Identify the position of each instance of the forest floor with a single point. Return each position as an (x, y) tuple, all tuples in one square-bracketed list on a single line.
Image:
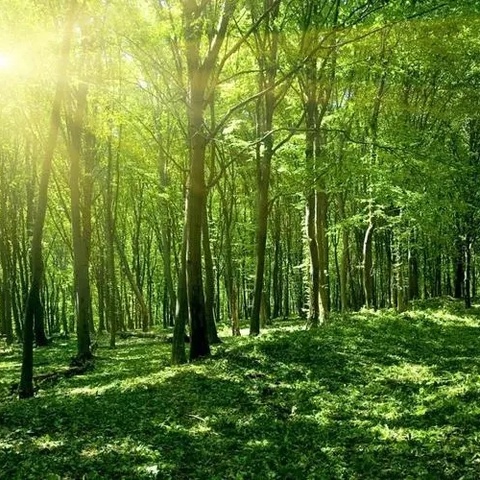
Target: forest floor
[(370, 396)]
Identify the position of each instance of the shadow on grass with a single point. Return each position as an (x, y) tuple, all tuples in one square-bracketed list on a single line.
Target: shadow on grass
[(366, 397)]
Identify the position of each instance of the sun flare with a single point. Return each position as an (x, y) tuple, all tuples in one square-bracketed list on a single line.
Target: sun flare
[(5, 61)]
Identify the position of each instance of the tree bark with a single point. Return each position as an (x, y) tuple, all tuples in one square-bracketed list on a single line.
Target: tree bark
[(267, 61), (83, 303), (209, 283), (33, 307), (368, 266), (322, 241), (181, 315), (468, 272), (200, 72), (345, 258)]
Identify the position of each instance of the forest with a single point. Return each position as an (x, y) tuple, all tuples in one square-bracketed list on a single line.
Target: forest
[(238, 239)]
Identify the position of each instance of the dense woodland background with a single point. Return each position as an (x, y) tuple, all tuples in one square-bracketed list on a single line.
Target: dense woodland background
[(193, 162)]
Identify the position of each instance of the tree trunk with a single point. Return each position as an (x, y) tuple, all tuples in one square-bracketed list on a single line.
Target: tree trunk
[(33, 309), (368, 266), (181, 315), (310, 108), (345, 258), (200, 72), (277, 268), (111, 305), (459, 270), (83, 304), (261, 242), (144, 312), (401, 303), (314, 261), (209, 283), (413, 273), (322, 241), (196, 195), (267, 43), (230, 279), (468, 271)]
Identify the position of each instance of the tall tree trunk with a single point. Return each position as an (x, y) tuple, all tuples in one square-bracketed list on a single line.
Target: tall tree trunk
[(345, 257), (195, 205), (33, 307), (144, 311), (200, 73), (181, 315), (111, 305), (314, 261), (399, 277), (227, 202), (263, 183), (459, 270), (368, 272), (322, 241), (277, 285), (413, 273), (7, 293), (267, 52), (83, 304), (368, 266), (311, 107), (166, 245), (468, 272), (209, 283)]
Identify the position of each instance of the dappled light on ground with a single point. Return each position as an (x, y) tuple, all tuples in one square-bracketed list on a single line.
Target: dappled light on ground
[(372, 395)]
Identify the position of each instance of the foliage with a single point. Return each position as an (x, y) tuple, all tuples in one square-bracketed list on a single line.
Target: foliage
[(371, 395)]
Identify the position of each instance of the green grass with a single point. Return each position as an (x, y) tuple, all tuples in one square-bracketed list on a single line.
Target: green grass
[(371, 396)]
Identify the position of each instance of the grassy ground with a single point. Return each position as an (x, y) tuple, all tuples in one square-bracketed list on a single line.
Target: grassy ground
[(371, 396)]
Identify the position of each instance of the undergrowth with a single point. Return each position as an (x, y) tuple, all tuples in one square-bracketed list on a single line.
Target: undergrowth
[(370, 396)]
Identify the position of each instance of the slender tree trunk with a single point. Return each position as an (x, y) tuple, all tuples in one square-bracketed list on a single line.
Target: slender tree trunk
[(322, 241), (345, 258), (314, 261), (468, 272), (267, 43), (111, 306), (181, 316), (33, 307), (277, 268), (368, 266), (399, 278), (230, 278), (413, 273), (168, 278), (7, 307), (261, 243), (144, 312), (389, 267), (6, 287), (459, 270), (87, 204), (209, 283), (83, 304), (100, 281), (312, 234)]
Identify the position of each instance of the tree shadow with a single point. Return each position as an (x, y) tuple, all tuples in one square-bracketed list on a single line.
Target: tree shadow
[(363, 398)]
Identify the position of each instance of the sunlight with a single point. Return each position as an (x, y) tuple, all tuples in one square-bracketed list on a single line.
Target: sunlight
[(6, 62)]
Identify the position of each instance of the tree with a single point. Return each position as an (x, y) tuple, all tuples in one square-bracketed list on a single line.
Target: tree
[(200, 72), (34, 308)]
